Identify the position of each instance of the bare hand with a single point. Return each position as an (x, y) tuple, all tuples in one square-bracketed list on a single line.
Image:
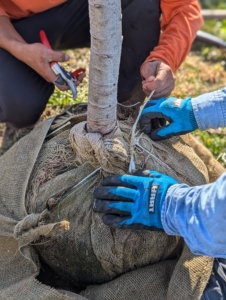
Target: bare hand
[(38, 57), (159, 77)]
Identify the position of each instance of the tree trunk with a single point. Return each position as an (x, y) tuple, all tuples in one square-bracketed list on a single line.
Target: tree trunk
[(106, 40)]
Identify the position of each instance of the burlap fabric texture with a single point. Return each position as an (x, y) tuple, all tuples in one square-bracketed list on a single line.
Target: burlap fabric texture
[(214, 168), (46, 212)]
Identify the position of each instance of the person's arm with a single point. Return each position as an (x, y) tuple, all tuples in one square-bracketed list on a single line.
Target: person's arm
[(2, 11), (10, 40), (198, 214), (181, 19), (210, 109), (37, 56)]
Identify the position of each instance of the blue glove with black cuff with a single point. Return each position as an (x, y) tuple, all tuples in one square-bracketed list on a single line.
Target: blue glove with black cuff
[(135, 202), (179, 113)]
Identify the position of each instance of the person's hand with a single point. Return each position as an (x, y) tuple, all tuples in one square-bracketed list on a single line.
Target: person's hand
[(129, 201), (159, 77), (38, 57), (179, 113)]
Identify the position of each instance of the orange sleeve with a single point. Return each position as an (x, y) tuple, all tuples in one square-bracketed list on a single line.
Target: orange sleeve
[(181, 19), (2, 12)]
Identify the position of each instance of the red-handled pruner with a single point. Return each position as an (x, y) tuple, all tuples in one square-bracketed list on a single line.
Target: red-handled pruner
[(63, 77)]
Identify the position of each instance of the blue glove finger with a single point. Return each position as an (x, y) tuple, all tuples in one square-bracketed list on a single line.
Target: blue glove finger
[(115, 180), (155, 102), (155, 137), (164, 178), (105, 193), (167, 132), (123, 194), (148, 173), (156, 123), (130, 223), (149, 121), (122, 207), (153, 106), (124, 222), (114, 220), (129, 207), (149, 118), (171, 129), (162, 122), (142, 172), (154, 109), (104, 206), (151, 115), (181, 115), (156, 174), (134, 180), (151, 103)]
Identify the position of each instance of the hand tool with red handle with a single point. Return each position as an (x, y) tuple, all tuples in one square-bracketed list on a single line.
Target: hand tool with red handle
[(63, 77)]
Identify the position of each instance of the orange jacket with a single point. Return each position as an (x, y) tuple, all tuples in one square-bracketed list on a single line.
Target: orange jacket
[(179, 23)]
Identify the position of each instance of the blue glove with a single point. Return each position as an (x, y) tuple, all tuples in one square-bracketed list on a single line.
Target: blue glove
[(179, 113), (129, 201)]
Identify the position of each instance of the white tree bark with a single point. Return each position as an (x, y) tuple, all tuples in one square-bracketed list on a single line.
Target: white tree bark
[(106, 41)]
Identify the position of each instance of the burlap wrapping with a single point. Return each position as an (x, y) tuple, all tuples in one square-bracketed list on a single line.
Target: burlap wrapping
[(48, 185), (19, 262), (214, 168)]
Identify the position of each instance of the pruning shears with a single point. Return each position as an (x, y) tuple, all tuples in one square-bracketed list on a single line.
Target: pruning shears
[(63, 77)]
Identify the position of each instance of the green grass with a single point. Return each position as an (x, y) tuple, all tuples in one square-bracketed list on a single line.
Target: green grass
[(64, 99), (216, 143), (213, 4)]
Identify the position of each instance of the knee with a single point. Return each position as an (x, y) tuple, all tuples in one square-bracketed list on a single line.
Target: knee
[(23, 93), (26, 117), (24, 111)]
